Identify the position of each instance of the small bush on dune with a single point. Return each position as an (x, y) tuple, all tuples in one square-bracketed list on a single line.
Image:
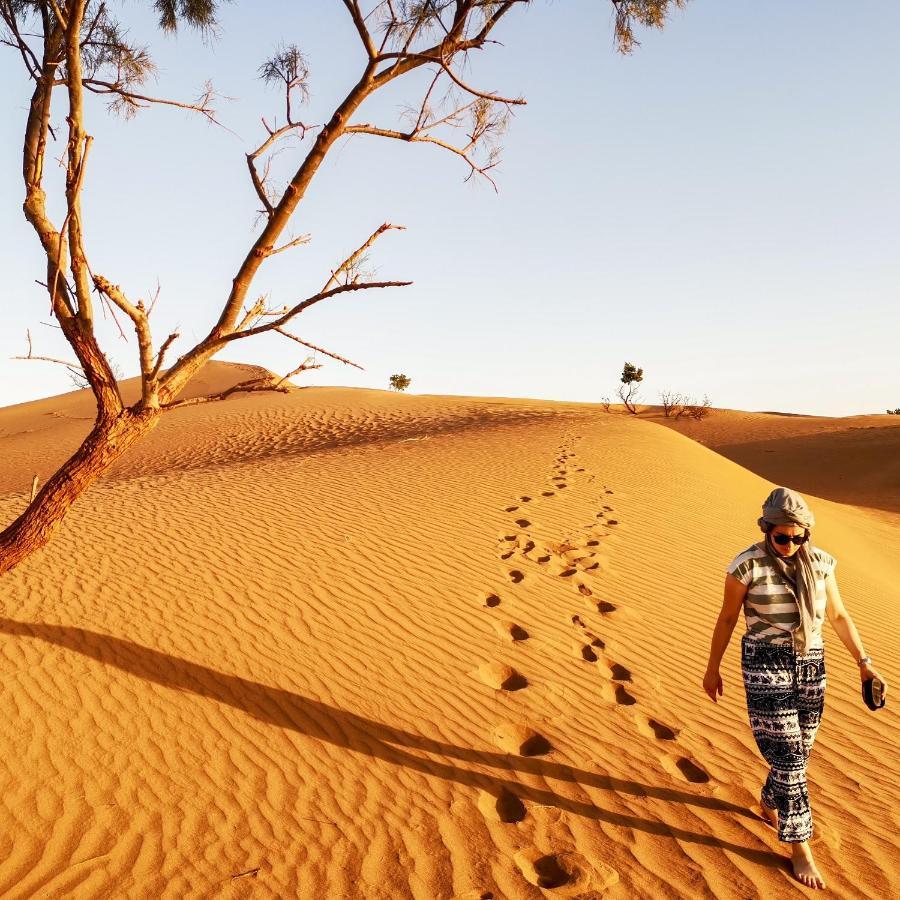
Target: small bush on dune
[(693, 409), (400, 382), (670, 401)]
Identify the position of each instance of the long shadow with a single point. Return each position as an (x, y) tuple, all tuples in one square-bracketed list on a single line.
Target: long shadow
[(342, 728)]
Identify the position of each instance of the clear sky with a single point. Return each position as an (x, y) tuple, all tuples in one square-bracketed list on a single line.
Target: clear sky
[(722, 208)]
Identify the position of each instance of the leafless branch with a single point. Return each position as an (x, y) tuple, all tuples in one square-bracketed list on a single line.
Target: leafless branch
[(270, 383), (359, 22), (342, 359), (305, 304), (73, 367), (351, 261), (162, 352), (296, 242), (418, 137), (138, 315)]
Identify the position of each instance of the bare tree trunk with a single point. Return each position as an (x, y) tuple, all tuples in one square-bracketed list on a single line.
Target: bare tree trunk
[(107, 442)]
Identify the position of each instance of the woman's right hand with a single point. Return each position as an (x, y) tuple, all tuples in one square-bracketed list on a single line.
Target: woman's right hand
[(712, 684)]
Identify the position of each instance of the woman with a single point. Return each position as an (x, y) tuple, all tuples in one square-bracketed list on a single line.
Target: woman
[(785, 586)]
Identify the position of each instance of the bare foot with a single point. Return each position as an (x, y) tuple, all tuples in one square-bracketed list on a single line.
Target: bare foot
[(769, 814), (805, 866)]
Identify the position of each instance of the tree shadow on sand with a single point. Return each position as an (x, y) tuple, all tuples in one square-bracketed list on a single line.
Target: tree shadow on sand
[(341, 728)]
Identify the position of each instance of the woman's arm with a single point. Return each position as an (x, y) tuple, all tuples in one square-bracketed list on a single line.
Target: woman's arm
[(735, 591), (843, 625)]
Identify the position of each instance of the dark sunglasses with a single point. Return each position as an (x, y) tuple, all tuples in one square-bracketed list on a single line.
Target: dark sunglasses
[(784, 539)]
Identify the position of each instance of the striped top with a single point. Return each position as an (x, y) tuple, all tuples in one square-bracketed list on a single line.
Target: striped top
[(770, 606)]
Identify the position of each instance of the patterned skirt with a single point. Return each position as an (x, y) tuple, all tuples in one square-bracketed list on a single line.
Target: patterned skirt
[(785, 698)]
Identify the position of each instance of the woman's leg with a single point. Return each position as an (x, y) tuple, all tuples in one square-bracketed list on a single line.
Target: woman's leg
[(774, 707)]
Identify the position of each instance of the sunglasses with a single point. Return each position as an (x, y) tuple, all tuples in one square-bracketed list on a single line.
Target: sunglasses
[(784, 539)]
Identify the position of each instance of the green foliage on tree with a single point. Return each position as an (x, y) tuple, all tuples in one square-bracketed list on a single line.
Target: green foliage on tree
[(632, 376)]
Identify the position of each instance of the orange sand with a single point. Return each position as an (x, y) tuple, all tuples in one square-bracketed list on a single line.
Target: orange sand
[(855, 459), (299, 645)]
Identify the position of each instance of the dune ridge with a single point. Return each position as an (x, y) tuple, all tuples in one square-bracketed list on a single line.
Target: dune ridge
[(351, 644)]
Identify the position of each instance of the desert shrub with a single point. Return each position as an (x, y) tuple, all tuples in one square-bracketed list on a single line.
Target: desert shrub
[(670, 401), (605, 401), (400, 382), (692, 409)]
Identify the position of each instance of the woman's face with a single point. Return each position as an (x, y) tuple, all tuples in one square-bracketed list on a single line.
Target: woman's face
[(790, 548)]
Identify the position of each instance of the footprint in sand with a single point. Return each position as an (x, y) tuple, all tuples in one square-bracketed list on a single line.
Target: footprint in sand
[(528, 547), (503, 807), (584, 651), (612, 521), (516, 577), (510, 631), (600, 606), (685, 767), (623, 698), (520, 740), (490, 600), (566, 874), (654, 728), (608, 508), (568, 573), (506, 555), (523, 523), (609, 492), (510, 509), (548, 493), (501, 677), (584, 590), (592, 544), (524, 499), (618, 671), (543, 560)]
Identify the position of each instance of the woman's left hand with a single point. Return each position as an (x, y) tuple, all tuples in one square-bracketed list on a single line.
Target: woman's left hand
[(867, 672)]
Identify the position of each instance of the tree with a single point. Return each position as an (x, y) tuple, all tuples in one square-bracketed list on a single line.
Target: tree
[(400, 382), (628, 390), (76, 48)]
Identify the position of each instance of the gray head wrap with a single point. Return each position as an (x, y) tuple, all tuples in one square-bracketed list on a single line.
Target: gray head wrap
[(786, 507)]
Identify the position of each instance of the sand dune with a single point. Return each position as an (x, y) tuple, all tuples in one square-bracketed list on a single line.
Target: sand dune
[(854, 459), (344, 643)]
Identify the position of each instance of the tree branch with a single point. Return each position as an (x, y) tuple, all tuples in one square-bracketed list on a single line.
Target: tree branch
[(74, 367), (162, 352), (359, 22), (342, 359), (414, 137), (305, 304), (272, 383), (138, 316), (138, 101)]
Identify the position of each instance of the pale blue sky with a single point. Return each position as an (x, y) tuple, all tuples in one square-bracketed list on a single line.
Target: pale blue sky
[(722, 208)]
